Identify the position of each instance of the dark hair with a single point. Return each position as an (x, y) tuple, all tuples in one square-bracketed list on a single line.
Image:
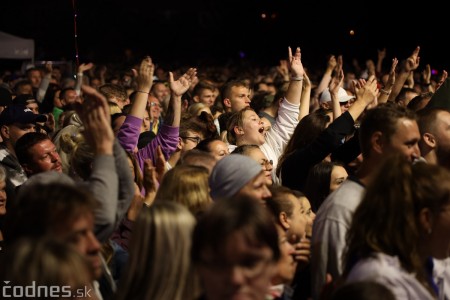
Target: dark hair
[(223, 120), (236, 119), (113, 90), (25, 142), (427, 118), (20, 84), (225, 92), (202, 85), (387, 220), (228, 216), (317, 186), (279, 203), (307, 130), (47, 103), (261, 100), (382, 118), (41, 209), (64, 91), (205, 144), (203, 124)]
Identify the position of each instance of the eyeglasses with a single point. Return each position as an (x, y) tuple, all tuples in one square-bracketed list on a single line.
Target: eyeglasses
[(266, 163), (155, 104), (351, 101), (194, 139)]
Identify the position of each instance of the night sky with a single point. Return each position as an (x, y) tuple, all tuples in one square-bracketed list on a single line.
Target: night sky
[(186, 32)]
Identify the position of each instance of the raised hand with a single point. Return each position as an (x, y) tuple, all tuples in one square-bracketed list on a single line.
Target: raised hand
[(48, 67), (135, 205), (442, 80), (94, 112), (331, 63), (160, 166), (306, 81), (339, 63), (85, 67), (295, 62), (144, 78), (426, 74), (386, 91), (283, 69), (150, 182), (50, 123), (370, 67), (180, 86), (391, 78), (381, 54), (336, 82), (366, 90), (413, 60)]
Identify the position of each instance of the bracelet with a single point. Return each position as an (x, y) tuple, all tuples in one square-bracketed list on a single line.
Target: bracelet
[(143, 92), (296, 78), (385, 92)]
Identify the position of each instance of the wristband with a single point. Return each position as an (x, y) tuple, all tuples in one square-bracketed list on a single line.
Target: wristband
[(143, 92), (385, 92), (296, 78)]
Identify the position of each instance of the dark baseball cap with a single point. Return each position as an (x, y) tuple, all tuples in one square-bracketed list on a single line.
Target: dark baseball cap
[(19, 114), (24, 99)]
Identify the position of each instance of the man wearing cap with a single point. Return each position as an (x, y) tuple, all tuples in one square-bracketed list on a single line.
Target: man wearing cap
[(345, 100), (15, 121), (28, 101)]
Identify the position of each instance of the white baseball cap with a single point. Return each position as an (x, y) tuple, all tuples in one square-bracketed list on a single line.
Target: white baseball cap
[(342, 96)]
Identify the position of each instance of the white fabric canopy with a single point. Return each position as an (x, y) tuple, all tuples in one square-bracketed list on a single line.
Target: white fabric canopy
[(14, 47)]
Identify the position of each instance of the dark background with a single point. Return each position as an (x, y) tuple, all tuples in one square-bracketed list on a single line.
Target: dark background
[(199, 31)]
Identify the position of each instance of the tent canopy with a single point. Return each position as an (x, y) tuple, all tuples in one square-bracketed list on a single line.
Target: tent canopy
[(14, 47)]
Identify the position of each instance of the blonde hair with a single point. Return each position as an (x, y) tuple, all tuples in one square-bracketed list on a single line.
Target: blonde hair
[(197, 108), (187, 185), (46, 262), (114, 108), (79, 152), (159, 266)]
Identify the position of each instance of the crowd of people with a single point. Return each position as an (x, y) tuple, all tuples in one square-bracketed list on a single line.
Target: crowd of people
[(134, 182)]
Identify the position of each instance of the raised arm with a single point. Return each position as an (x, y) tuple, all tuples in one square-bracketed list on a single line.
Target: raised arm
[(128, 135), (335, 85), (45, 82), (426, 79), (305, 100), (295, 87), (442, 79), (178, 88), (144, 80), (80, 75), (409, 66), (381, 57), (326, 78), (366, 93), (103, 181), (386, 90)]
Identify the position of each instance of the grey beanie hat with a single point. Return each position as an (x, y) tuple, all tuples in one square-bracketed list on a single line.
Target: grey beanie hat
[(231, 173)]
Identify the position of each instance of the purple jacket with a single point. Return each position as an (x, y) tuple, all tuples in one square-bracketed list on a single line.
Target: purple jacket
[(128, 137)]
